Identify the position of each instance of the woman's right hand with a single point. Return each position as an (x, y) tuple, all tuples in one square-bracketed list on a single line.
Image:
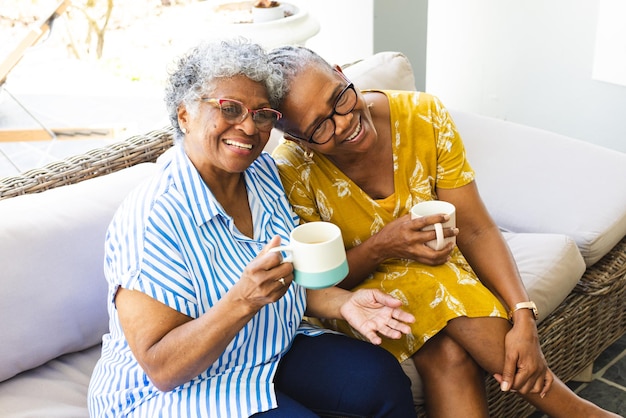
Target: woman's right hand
[(404, 238), (260, 282)]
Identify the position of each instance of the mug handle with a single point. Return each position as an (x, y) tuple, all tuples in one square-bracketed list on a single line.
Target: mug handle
[(286, 249), (441, 240)]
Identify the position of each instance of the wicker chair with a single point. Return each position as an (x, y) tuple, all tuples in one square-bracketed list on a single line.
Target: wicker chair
[(590, 319)]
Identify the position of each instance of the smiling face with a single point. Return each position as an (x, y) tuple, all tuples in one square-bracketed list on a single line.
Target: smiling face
[(216, 147), (312, 95)]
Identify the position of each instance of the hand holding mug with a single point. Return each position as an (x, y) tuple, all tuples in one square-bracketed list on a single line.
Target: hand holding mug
[(317, 253), (435, 207), (261, 281)]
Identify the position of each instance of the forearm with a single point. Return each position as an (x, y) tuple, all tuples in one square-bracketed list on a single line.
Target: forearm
[(189, 350), (171, 347), (489, 255), (362, 261), (326, 303)]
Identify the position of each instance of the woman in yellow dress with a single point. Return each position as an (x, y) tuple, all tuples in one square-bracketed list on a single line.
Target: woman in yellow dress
[(361, 160)]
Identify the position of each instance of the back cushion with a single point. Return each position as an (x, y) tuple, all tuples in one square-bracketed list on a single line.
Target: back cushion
[(53, 298)]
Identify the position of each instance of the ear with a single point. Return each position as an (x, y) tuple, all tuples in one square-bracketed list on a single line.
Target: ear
[(183, 116)]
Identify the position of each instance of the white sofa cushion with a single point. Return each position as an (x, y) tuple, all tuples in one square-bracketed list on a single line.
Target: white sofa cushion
[(53, 298), (550, 266), (385, 70), (545, 182), (56, 389)]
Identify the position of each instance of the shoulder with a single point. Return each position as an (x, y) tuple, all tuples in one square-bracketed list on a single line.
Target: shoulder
[(288, 153), (407, 97)]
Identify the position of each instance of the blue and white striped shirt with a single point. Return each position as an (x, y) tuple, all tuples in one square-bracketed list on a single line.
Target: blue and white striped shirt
[(173, 241)]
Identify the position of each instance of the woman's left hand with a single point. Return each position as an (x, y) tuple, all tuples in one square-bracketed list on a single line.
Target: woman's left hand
[(525, 367), (372, 312)]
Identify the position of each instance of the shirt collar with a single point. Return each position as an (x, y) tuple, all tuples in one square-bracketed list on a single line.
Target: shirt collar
[(202, 202)]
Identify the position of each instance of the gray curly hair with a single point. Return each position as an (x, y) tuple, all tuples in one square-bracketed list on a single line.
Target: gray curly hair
[(194, 72), (292, 60)]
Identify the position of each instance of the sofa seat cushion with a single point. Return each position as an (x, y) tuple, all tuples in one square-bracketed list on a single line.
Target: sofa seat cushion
[(57, 388), (53, 298), (536, 181)]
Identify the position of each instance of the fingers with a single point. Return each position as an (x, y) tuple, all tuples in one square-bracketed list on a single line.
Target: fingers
[(386, 299), (547, 384), (508, 373), (392, 329), (284, 282)]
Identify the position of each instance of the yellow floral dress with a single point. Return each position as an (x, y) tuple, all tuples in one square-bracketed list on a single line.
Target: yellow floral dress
[(427, 152)]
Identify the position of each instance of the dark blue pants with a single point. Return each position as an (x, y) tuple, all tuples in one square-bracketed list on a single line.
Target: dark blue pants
[(337, 376)]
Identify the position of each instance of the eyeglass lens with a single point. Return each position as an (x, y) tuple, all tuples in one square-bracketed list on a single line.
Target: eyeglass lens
[(235, 112), (345, 103)]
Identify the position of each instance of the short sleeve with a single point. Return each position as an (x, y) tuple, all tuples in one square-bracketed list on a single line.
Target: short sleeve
[(453, 169)]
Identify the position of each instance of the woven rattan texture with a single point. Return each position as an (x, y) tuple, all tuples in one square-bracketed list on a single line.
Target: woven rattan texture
[(94, 163), (590, 319)]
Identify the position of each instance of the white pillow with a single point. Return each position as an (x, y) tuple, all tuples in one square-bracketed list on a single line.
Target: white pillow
[(550, 266), (53, 298), (537, 181), (386, 70)]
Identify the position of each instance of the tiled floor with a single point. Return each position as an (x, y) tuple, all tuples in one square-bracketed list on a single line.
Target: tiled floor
[(608, 387)]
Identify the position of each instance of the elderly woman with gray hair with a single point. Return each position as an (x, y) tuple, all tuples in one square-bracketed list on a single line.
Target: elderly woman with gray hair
[(204, 320)]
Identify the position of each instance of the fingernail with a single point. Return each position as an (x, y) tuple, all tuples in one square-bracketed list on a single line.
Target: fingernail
[(543, 395), (504, 386)]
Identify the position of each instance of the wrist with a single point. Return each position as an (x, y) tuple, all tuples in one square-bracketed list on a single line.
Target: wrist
[(375, 248), (524, 310)]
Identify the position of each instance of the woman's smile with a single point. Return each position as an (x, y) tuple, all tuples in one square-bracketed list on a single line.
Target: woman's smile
[(354, 134), (238, 144)]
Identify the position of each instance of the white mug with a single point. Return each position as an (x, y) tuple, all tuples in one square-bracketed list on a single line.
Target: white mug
[(317, 253), (435, 207)]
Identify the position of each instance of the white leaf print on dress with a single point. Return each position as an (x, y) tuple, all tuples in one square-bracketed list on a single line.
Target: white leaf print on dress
[(377, 224), (324, 207), (343, 188), (443, 296)]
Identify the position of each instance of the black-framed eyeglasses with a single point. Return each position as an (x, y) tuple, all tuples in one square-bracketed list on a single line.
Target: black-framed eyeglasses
[(324, 131), (235, 112)]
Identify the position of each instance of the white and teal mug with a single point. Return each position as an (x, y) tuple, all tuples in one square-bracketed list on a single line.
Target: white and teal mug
[(317, 253)]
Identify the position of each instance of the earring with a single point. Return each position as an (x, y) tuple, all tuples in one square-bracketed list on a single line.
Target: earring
[(184, 130), (370, 105), (308, 155)]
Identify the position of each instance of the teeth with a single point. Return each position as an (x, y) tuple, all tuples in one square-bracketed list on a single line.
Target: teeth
[(355, 133), (238, 144)]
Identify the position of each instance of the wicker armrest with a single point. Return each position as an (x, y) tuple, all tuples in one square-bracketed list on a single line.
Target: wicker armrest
[(94, 163)]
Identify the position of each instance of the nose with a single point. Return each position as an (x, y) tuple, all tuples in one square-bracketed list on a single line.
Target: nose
[(342, 122), (247, 124)]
